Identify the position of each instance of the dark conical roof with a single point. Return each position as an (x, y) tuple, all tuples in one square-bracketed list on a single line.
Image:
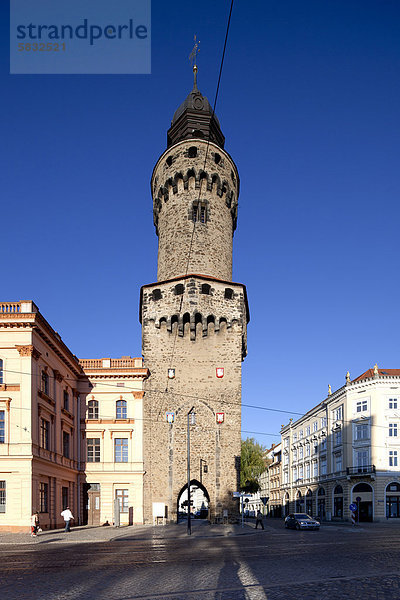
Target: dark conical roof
[(194, 119)]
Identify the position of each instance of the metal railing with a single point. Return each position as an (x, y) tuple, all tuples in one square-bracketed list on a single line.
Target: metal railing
[(362, 470)]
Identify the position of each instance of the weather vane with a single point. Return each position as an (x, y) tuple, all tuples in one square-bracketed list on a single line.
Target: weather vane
[(194, 52)]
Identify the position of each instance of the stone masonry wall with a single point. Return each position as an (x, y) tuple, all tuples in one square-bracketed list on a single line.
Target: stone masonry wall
[(178, 181), (194, 348)]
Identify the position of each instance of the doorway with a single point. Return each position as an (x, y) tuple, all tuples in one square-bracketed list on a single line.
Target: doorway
[(93, 504), (199, 502)]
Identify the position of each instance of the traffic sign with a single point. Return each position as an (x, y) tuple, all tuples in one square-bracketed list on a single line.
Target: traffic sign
[(353, 507), (236, 494)]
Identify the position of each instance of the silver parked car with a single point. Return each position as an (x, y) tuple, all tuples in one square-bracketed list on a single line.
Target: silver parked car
[(301, 521)]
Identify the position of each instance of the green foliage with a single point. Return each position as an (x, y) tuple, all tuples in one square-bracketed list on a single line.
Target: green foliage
[(252, 464)]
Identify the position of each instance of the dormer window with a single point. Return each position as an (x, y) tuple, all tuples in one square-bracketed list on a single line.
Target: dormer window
[(199, 212)]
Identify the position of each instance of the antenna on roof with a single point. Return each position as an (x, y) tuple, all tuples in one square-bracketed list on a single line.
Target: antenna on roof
[(193, 60)]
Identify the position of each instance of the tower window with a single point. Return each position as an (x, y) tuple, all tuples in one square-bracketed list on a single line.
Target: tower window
[(199, 212), (205, 289), (192, 152), (169, 161), (157, 294), (228, 294), (179, 288), (217, 158)]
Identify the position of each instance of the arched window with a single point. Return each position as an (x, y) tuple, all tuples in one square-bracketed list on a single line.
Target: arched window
[(192, 152), (321, 492), (362, 487), (393, 487), (338, 490), (205, 289), (169, 161), (93, 409), (122, 410), (179, 288), (217, 158), (1, 371)]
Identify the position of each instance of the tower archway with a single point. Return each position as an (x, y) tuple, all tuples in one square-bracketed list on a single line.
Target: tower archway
[(200, 501)]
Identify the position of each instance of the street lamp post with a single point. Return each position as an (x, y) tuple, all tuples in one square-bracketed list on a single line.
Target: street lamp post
[(191, 419)]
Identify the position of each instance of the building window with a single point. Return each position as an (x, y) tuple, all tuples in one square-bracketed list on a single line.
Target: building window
[(1, 372), (45, 383), (338, 414), (122, 410), (192, 152), (122, 497), (315, 449), (93, 450), (156, 294), (286, 443), (2, 496), (362, 432), (323, 466), (315, 426), (307, 471), (338, 462), (300, 434), (338, 437), (392, 429), (362, 406), (206, 289), (295, 437), (66, 444), (301, 452), (323, 422), (44, 497), (121, 449), (362, 458), (66, 400), (2, 426), (308, 450), (308, 430), (64, 497), (179, 288), (93, 409), (295, 454), (323, 444), (315, 469), (44, 434), (199, 212), (301, 472), (392, 401), (228, 294), (392, 458)]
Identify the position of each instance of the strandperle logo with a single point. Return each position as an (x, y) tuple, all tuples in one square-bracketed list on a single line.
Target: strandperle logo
[(85, 31), (80, 37)]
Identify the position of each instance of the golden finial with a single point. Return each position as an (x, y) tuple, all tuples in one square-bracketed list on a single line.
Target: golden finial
[(348, 380), (329, 390)]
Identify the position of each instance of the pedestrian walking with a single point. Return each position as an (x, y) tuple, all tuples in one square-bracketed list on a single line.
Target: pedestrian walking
[(259, 519), (67, 516), (34, 524)]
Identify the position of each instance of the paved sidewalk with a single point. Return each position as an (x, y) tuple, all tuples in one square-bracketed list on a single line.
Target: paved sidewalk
[(90, 534)]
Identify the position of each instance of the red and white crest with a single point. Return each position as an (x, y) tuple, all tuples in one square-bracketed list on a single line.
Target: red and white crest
[(220, 417), (220, 372)]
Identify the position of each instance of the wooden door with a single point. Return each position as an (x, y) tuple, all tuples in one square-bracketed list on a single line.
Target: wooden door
[(93, 508)]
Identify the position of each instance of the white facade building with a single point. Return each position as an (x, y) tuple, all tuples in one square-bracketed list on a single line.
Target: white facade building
[(346, 450)]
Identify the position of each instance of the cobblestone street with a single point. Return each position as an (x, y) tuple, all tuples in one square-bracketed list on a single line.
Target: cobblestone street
[(217, 562)]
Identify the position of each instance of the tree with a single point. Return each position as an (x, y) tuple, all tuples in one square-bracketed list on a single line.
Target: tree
[(252, 464)]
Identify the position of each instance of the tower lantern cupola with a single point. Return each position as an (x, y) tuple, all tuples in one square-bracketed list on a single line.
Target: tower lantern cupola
[(195, 119)]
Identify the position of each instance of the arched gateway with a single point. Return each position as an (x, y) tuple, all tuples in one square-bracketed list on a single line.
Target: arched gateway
[(199, 501)]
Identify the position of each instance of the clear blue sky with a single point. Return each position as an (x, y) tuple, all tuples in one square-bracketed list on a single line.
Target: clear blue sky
[(309, 104)]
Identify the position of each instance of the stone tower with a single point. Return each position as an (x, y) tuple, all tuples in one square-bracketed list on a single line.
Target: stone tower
[(194, 319)]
